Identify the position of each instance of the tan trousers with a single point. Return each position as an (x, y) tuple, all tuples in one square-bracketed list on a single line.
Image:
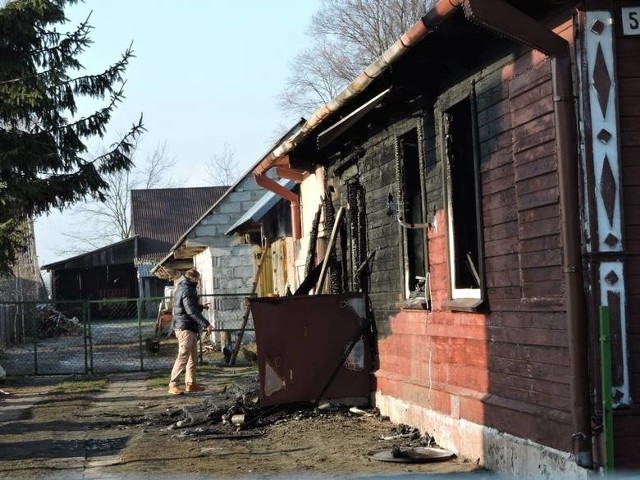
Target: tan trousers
[(187, 358)]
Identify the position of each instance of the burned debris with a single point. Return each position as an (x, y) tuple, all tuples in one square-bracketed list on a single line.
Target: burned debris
[(236, 414), (53, 323)]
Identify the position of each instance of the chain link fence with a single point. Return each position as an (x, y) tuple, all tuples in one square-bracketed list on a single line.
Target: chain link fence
[(106, 336)]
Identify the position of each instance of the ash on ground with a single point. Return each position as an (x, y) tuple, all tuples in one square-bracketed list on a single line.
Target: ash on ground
[(235, 413)]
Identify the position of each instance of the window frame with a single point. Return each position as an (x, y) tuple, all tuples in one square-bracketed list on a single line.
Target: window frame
[(462, 299), (407, 283)]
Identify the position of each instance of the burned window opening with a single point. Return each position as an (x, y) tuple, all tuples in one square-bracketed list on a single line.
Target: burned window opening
[(410, 177), (330, 219), (313, 239), (358, 276), (463, 193)]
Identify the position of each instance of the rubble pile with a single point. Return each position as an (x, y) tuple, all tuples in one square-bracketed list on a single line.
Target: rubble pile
[(236, 413), (53, 323)]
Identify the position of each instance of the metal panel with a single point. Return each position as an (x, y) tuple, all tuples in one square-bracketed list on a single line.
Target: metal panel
[(304, 348), (261, 207)]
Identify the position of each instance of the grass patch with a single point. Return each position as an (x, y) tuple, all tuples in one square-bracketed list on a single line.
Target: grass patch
[(210, 368), (161, 379), (82, 386), (158, 381)]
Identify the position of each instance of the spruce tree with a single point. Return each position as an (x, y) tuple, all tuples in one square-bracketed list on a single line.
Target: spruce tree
[(44, 160)]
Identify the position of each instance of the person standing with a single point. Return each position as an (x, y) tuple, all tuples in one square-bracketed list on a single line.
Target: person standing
[(187, 321)]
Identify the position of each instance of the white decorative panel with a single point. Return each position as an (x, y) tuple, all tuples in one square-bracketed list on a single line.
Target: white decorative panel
[(604, 131), (613, 295), (599, 59)]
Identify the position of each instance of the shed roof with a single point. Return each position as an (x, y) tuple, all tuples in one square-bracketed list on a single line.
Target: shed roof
[(160, 215), (117, 253)]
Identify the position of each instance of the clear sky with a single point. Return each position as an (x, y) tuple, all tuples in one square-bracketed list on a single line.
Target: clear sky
[(206, 73)]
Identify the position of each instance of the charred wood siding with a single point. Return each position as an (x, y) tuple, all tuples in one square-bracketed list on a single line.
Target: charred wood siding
[(527, 360), (627, 421), (508, 368), (377, 174)]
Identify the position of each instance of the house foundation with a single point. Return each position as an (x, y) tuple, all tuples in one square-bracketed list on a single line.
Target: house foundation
[(494, 450)]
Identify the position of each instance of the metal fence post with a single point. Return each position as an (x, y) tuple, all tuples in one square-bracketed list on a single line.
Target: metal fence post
[(140, 346), (89, 322), (34, 326), (85, 335)]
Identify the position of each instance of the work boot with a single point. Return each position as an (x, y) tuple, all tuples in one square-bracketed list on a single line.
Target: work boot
[(175, 390), (194, 387)]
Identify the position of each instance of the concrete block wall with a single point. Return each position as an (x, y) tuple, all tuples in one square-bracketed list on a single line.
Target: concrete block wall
[(227, 265)]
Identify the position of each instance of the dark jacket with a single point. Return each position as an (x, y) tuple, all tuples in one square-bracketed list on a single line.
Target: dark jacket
[(186, 311)]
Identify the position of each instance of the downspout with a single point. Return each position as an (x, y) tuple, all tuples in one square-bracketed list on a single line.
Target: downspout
[(268, 184), (500, 17)]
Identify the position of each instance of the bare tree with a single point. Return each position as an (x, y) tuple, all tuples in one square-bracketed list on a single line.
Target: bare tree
[(222, 167), (102, 223), (348, 35)]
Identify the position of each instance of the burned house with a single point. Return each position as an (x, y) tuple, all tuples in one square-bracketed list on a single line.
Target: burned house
[(487, 167)]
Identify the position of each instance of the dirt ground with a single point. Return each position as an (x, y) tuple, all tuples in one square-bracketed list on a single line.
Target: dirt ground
[(133, 429)]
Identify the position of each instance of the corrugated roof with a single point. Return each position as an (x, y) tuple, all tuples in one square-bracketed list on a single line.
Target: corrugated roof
[(160, 216), (117, 253), (261, 207)]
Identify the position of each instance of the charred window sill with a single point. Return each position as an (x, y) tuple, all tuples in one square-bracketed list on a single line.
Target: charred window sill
[(465, 305), (416, 303)]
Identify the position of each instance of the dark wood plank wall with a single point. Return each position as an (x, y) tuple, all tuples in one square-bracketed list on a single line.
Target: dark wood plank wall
[(627, 421), (377, 173), (509, 368), (528, 364)]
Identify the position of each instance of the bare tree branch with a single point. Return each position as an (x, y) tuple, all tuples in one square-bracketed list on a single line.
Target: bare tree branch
[(222, 167), (101, 223), (348, 35), (154, 171)]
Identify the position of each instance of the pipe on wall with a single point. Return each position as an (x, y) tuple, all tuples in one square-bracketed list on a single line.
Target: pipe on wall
[(566, 138), (268, 184)]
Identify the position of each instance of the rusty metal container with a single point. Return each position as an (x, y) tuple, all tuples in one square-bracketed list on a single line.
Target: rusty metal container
[(312, 347)]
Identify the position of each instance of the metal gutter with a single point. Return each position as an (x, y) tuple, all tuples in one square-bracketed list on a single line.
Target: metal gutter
[(410, 38), (273, 186)]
